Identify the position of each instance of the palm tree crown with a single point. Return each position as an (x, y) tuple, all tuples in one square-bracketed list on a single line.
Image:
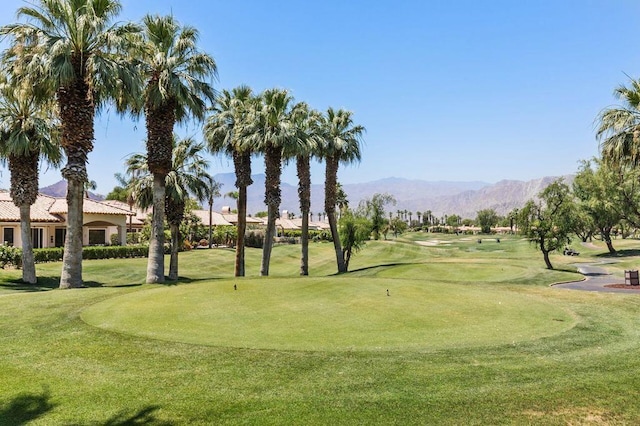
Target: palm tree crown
[(619, 127), (73, 48), (177, 82)]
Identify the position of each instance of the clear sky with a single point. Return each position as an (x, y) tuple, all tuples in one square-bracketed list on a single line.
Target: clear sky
[(447, 90)]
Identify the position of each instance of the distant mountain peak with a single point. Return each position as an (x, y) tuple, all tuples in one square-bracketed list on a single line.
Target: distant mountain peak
[(59, 190)]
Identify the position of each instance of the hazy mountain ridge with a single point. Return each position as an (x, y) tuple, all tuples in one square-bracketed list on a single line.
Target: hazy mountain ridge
[(440, 197)]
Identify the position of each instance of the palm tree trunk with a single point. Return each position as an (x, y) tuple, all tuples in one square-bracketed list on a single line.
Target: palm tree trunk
[(76, 122), (72, 259), (242, 227), (304, 241), (210, 221), (155, 263), (175, 245), (28, 263), (268, 241), (330, 187), (304, 193), (336, 242), (273, 171)]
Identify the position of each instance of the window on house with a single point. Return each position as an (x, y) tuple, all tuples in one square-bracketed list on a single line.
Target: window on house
[(7, 236), (61, 234), (97, 237), (37, 235)]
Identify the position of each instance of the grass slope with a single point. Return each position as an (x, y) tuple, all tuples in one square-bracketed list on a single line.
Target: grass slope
[(200, 352)]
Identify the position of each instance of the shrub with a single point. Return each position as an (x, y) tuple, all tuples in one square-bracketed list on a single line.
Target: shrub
[(254, 239), (134, 237), (114, 239), (53, 254), (11, 256)]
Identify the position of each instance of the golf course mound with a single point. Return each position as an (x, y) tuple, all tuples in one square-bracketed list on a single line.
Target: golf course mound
[(331, 314)]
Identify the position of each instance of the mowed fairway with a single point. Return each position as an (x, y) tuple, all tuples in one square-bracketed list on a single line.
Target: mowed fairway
[(469, 334), (331, 314)]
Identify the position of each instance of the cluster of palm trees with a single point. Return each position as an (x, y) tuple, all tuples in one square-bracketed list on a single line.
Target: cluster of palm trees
[(274, 125), (68, 59), (73, 52)]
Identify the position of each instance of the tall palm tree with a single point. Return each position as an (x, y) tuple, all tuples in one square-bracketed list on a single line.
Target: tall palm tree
[(213, 191), (270, 131), (619, 127), (28, 132), (223, 131), (126, 183), (188, 176), (342, 145), (176, 88), (74, 47), (305, 145)]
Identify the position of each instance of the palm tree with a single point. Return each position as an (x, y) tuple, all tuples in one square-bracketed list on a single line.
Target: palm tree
[(619, 127), (74, 47), (213, 191), (175, 90), (223, 132), (234, 195), (270, 130), (28, 132), (129, 195), (308, 139), (342, 202), (341, 145), (188, 176), (89, 185)]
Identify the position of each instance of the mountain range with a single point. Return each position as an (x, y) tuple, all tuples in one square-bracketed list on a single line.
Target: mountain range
[(441, 197)]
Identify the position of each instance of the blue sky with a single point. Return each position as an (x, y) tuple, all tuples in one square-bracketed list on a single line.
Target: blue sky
[(447, 90)]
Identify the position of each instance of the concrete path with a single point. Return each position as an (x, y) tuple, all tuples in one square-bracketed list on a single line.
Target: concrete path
[(596, 277)]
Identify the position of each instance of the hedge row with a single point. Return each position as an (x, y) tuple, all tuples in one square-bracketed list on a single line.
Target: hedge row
[(98, 252)]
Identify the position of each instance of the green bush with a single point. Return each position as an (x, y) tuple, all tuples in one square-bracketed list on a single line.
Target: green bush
[(254, 239), (94, 252), (114, 239), (48, 254), (11, 256)]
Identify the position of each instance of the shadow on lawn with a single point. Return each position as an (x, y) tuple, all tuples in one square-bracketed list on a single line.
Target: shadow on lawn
[(50, 283), (620, 253), (186, 280), (44, 284), (382, 266), (143, 417), (24, 408)]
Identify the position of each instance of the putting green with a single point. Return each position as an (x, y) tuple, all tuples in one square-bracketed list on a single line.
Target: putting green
[(331, 314), (457, 271)]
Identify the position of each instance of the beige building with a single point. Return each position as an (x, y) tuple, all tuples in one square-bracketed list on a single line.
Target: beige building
[(48, 222)]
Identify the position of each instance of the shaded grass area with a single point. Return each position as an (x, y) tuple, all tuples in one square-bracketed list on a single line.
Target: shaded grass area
[(57, 369)]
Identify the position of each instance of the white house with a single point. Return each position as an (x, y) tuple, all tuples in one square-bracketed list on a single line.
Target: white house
[(48, 222)]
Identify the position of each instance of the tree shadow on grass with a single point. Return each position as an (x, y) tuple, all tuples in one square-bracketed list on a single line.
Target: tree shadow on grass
[(186, 280), (620, 253), (24, 408), (51, 283), (43, 284), (381, 267), (145, 416)]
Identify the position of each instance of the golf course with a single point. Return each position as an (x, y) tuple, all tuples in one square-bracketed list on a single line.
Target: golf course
[(421, 331)]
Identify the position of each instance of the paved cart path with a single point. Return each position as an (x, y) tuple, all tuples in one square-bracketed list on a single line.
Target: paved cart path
[(596, 278)]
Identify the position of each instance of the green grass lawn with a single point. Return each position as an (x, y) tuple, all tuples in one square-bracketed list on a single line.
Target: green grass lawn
[(469, 334)]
